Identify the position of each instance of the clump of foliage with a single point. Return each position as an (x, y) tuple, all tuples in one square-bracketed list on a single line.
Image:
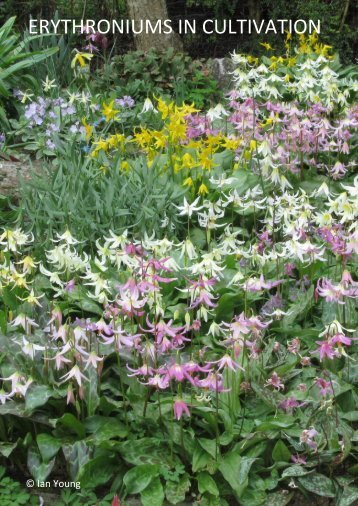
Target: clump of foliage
[(144, 74), (14, 60), (12, 493)]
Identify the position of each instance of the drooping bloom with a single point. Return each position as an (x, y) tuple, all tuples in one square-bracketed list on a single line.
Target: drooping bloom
[(307, 436), (180, 407), (75, 372), (275, 382)]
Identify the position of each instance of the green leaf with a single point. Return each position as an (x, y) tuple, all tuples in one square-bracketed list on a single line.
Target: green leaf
[(91, 391), (303, 301), (318, 484), (235, 469), (39, 470), (7, 448), (280, 498), (349, 496), (209, 445), (175, 492), (253, 498), (76, 455), (139, 477), (352, 416), (281, 453), (105, 428), (70, 422), (148, 450), (38, 395), (153, 495), (207, 484), (97, 471), (201, 458), (295, 471), (48, 446), (226, 305)]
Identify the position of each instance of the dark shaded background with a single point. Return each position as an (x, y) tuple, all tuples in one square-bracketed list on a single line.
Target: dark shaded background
[(339, 20)]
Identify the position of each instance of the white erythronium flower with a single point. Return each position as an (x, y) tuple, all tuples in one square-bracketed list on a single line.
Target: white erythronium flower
[(148, 106), (30, 349), (66, 237), (48, 85), (12, 239), (188, 209), (217, 112)]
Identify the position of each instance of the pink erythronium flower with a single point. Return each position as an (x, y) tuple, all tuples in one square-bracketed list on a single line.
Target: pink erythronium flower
[(144, 370), (275, 382), (226, 361), (340, 339), (162, 328), (299, 459), (332, 293), (204, 298), (307, 436), (180, 407), (212, 382), (178, 372), (257, 284), (76, 373), (24, 321), (92, 359), (325, 349), (158, 381), (289, 404), (324, 386)]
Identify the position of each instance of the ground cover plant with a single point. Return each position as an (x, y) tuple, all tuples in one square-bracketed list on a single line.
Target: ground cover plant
[(179, 293)]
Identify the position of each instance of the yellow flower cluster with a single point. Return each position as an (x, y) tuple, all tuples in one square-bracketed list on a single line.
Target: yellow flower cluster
[(112, 142), (193, 157)]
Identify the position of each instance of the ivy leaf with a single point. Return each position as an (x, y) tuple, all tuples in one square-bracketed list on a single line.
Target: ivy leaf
[(318, 484), (139, 477)]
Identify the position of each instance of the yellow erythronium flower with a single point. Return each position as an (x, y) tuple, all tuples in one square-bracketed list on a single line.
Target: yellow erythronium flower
[(266, 45), (164, 108), (109, 112), (188, 182), (125, 166), (88, 129), (81, 59), (203, 189), (188, 161)]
